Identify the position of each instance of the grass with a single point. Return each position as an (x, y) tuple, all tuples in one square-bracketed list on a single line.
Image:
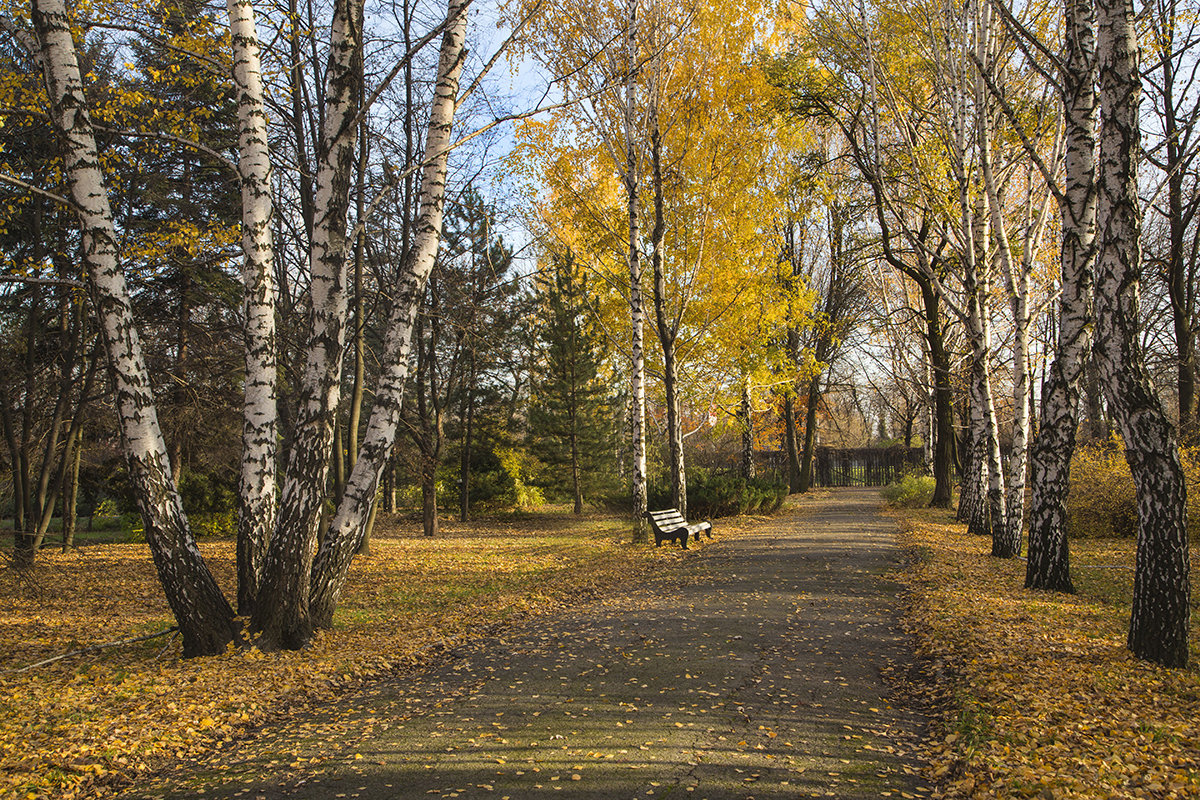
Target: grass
[(88, 725), (1047, 701)]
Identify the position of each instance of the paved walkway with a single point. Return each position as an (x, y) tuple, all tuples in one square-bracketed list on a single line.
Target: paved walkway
[(759, 672)]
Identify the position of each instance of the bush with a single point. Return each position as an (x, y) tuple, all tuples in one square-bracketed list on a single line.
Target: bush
[(911, 491), (519, 466), (1103, 501)]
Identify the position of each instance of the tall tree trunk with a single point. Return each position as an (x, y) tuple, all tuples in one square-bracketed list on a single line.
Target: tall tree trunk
[(464, 468), (389, 485), (664, 325), (349, 522), (281, 617), (971, 481), (637, 377), (791, 447), (746, 418), (1007, 536), (429, 509), (256, 477), (988, 517), (71, 500), (576, 484), (810, 433), (204, 616), (1158, 625), (180, 378), (360, 322), (943, 398), (1048, 566), (1177, 288)]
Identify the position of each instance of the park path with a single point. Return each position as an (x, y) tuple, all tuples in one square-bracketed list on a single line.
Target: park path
[(759, 670)]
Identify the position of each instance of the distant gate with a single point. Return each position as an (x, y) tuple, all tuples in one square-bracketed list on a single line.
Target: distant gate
[(864, 466)]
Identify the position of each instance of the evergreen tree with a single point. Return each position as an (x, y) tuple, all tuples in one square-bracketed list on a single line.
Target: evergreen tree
[(571, 419)]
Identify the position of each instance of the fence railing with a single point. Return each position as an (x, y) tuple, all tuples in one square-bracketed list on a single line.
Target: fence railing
[(864, 466)]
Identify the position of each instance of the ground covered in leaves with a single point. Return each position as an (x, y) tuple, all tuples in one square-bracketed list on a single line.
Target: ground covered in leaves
[(1045, 700), (93, 722)]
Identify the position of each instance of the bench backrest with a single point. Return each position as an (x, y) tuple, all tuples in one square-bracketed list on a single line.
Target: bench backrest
[(668, 519)]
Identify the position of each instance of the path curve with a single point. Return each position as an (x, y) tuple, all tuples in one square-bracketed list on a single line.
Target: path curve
[(759, 671)]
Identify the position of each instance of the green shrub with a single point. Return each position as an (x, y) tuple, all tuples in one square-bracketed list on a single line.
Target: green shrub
[(911, 491), (519, 465), (217, 523)]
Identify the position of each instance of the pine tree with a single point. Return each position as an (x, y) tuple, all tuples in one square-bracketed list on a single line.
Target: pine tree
[(571, 417)]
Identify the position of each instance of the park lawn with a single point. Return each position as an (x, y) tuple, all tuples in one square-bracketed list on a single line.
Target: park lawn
[(91, 723), (1044, 699)]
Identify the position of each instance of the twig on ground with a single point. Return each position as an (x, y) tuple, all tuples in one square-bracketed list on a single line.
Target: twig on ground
[(91, 649)]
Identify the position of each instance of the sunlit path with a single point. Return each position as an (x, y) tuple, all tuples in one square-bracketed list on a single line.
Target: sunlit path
[(759, 671)]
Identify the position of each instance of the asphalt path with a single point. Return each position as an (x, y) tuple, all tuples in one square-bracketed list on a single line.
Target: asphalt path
[(765, 666)]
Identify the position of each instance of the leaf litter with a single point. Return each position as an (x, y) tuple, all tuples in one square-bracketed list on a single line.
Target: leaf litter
[(86, 726), (1045, 700)]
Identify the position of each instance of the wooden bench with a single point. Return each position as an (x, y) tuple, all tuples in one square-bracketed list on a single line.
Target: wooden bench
[(669, 525)]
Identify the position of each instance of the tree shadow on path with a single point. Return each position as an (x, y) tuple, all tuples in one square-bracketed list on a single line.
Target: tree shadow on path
[(761, 668)]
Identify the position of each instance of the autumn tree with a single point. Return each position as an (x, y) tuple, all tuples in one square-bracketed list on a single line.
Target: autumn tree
[(1159, 620)]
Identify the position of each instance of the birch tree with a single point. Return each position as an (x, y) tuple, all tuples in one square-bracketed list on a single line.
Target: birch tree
[(637, 373), (204, 616), (1049, 561), (256, 489), (1158, 623), (349, 521)]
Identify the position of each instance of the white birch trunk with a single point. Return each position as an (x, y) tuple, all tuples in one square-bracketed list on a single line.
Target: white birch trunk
[(350, 520), (637, 379), (204, 616), (1006, 532), (1158, 625), (281, 616), (256, 491), (1049, 560)]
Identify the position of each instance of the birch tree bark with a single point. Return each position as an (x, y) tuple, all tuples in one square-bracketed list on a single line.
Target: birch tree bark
[(204, 616), (1008, 543), (281, 614), (349, 521), (1158, 622), (1048, 566), (637, 347), (256, 486)]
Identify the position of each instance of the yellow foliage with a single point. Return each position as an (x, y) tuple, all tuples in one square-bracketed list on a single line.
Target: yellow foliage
[(1103, 502)]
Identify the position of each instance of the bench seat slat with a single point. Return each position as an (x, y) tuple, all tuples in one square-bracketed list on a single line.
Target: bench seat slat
[(670, 525)]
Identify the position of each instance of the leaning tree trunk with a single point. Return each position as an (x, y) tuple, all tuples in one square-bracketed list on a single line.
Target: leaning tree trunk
[(256, 484), (205, 618), (281, 616), (988, 215), (1007, 535), (332, 563), (1158, 625), (1050, 465)]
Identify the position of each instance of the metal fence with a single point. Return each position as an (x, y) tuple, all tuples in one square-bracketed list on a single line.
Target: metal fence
[(864, 466)]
